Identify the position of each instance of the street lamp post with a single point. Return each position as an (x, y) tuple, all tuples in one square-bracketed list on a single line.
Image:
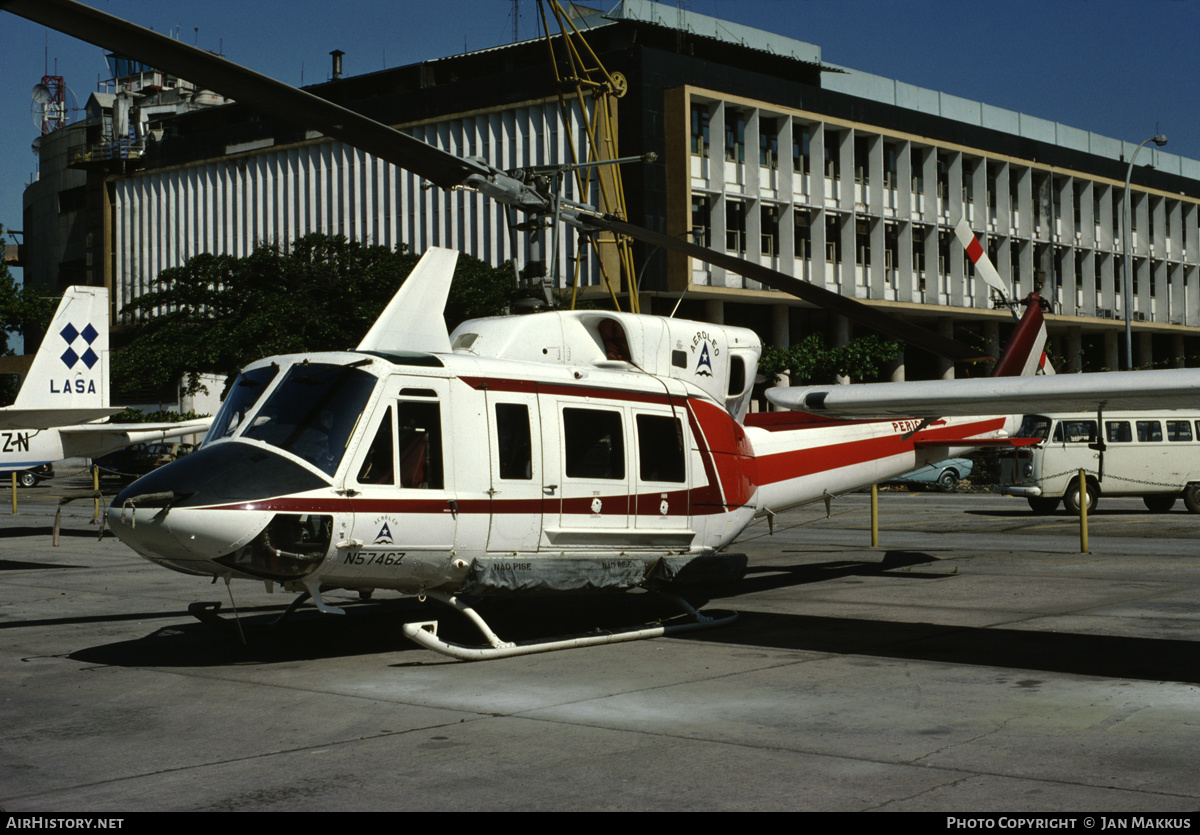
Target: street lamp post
[(1126, 234)]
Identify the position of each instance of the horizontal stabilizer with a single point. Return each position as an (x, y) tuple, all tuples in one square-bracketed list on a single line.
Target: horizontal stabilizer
[(1177, 388), (413, 320)]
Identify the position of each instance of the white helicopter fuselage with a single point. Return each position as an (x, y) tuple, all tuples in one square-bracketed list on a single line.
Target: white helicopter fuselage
[(558, 469)]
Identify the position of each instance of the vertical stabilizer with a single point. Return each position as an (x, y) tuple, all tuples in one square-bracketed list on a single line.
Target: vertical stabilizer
[(413, 320), (70, 370)]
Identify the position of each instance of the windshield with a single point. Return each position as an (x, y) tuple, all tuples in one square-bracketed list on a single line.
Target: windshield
[(1034, 426), (313, 411), (242, 396)]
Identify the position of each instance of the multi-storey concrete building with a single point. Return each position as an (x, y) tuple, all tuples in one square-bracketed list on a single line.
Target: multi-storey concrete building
[(848, 180)]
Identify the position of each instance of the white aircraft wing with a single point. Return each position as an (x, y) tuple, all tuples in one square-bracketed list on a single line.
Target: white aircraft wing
[(151, 431), (91, 440), (1168, 389)]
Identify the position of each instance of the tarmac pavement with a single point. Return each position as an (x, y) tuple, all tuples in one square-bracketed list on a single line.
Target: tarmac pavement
[(975, 662)]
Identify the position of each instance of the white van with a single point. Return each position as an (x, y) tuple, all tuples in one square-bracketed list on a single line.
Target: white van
[(1155, 455)]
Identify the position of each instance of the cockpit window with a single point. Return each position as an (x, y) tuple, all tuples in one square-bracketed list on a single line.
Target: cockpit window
[(242, 396), (313, 411), (1034, 426)]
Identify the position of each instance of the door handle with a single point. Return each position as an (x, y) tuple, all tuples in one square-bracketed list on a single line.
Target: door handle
[(549, 489)]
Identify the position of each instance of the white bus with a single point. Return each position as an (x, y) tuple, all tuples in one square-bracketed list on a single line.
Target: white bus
[(1155, 455)]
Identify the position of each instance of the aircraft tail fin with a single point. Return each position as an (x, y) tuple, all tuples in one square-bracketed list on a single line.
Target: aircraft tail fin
[(413, 321), (70, 369), (1025, 353)]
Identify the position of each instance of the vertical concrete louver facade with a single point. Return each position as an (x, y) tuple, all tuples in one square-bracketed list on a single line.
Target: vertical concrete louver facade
[(163, 216)]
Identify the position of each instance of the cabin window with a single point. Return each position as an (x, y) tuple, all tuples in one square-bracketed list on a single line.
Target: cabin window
[(420, 443), (313, 411), (595, 445), (1179, 430), (379, 465), (513, 440), (1149, 431), (240, 399), (1118, 432), (660, 449), (1034, 426), (1075, 432)]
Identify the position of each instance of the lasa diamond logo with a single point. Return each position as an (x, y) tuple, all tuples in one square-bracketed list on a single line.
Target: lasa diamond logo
[(70, 356)]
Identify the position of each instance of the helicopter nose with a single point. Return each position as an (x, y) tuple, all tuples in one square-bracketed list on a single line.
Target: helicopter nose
[(209, 505)]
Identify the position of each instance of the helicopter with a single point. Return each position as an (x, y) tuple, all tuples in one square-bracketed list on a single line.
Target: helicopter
[(556, 452), (552, 453)]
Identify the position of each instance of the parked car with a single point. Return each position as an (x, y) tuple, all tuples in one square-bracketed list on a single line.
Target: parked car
[(166, 452), (944, 475), (126, 462), (30, 477), (139, 459)]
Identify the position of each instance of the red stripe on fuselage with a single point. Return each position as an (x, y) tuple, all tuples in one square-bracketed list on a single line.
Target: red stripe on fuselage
[(782, 466)]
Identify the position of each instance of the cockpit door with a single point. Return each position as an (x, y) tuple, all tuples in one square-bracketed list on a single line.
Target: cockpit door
[(400, 479)]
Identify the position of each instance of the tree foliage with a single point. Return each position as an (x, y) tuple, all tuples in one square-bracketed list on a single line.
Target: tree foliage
[(811, 361), (217, 313), (23, 311)]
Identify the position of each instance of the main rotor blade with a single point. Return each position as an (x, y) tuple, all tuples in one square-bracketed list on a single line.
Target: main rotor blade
[(852, 309), (247, 87)]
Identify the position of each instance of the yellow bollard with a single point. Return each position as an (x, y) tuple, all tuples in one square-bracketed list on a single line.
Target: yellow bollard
[(96, 487), (874, 515), (1083, 505)]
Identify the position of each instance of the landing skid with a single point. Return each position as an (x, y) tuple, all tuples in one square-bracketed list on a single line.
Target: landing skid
[(425, 633)]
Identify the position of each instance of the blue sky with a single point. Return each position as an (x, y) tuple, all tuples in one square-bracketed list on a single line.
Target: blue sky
[(1119, 68)]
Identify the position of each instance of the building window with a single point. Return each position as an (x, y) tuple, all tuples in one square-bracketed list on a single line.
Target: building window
[(735, 226), (803, 234), (770, 230), (701, 220), (735, 136), (700, 127), (800, 148), (833, 241), (768, 144), (862, 161), (831, 162)]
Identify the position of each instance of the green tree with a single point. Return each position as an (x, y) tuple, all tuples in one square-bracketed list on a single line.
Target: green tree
[(217, 313), (23, 312), (811, 361)]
